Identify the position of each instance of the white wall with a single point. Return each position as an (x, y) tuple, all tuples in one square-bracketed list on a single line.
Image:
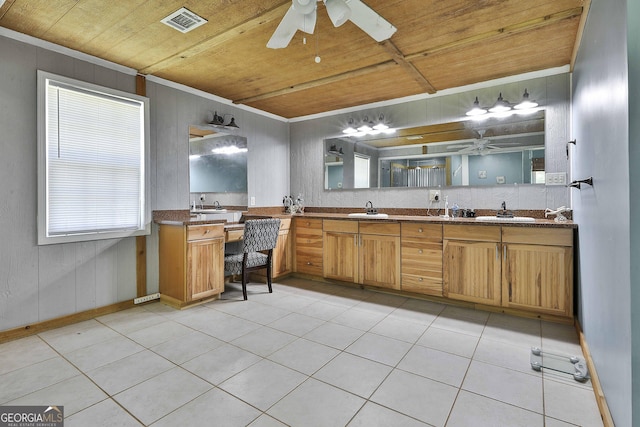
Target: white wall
[(603, 212), (38, 283), (44, 282), (552, 92)]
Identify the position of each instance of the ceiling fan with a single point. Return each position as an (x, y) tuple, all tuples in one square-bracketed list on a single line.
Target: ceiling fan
[(302, 16), (481, 146)]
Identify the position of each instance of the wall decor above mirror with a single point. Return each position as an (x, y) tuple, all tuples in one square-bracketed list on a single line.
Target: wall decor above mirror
[(488, 151), (217, 161)]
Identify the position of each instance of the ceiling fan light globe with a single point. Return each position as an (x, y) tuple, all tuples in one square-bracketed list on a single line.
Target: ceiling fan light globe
[(304, 6), (338, 11)]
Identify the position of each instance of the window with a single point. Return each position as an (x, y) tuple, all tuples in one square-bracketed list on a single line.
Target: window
[(92, 167), (361, 171)]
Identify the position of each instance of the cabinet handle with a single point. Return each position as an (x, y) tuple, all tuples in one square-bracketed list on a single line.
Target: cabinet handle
[(420, 279), (309, 263), (419, 230), (504, 252), (355, 240), (419, 251), (497, 253), (206, 231)]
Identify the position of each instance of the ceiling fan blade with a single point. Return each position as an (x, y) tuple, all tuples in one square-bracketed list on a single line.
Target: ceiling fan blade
[(369, 21), (292, 21)]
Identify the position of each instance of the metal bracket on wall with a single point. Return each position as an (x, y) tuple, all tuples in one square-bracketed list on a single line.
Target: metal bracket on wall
[(578, 184), (570, 142), (572, 365)]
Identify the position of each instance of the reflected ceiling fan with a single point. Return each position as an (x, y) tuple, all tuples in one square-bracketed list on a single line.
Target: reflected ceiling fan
[(302, 16), (481, 146)]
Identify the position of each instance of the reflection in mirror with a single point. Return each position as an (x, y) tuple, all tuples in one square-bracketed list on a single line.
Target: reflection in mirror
[(492, 151), (217, 162)]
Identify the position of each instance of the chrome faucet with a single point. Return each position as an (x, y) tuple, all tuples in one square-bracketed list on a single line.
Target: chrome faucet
[(503, 212), (216, 205), (370, 209)]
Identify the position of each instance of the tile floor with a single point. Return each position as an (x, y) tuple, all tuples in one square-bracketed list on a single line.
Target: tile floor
[(310, 354)]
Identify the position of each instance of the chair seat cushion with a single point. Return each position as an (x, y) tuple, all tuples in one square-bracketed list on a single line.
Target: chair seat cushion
[(233, 263)]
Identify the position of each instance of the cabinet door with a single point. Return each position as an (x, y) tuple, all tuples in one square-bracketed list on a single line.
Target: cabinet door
[(380, 261), (205, 277), (538, 277), (340, 257), (282, 256), (472, 271)]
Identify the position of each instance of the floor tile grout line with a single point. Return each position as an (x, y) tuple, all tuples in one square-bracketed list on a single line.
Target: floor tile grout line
[(85, 374)]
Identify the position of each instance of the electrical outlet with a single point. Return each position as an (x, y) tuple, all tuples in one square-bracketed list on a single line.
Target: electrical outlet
[(556, 178), (146, 298), (252, 201), (434, 195)]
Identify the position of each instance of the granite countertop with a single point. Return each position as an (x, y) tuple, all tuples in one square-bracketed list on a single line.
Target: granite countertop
[(539, 222), (184, 217)]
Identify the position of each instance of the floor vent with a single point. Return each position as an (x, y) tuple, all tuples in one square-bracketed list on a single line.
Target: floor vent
[(184, 20)]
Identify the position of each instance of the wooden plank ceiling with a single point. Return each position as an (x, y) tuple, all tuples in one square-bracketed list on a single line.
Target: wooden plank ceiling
[(438, 45)]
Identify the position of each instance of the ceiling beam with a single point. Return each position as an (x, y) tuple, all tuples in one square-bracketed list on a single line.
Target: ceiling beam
[(520, 27), (399, 58), (320, 82), (220, 39)]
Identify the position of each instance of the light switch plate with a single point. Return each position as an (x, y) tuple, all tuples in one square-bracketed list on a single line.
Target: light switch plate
[(556, 178), (252, 201)]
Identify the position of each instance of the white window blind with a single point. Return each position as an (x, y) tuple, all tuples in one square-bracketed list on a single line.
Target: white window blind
[(94, 162)]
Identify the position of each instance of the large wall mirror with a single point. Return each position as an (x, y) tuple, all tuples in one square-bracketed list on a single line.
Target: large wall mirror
[(217, 162), (491, 151)]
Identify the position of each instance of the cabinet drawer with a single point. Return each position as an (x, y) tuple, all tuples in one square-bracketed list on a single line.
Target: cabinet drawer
[(419, 258), (198, 232), (234, 235), (421, 284), (340, 226), (421, 230), (308, 225), (484, 233), (380, 228), (538, 236), (309, 262)]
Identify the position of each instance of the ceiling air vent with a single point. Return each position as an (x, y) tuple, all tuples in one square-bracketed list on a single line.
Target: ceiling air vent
[(184, 20)]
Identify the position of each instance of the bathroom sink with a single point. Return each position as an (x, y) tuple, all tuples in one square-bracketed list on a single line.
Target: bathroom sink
[(507, 219), (369, 216), (209, 211)]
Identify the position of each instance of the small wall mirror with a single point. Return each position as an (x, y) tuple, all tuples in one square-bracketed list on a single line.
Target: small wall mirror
[(217, 162), (491, 151)]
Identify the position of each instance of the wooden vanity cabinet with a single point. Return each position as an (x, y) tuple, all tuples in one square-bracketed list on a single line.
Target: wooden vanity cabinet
[(282, 261), (191, 262), (421, 259), (537, 269), (472, 263), (362, 252), (308, 246), (340, 250), (379, 254)]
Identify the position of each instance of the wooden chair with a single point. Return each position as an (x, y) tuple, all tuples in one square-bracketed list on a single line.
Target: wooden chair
[(260, 237)]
